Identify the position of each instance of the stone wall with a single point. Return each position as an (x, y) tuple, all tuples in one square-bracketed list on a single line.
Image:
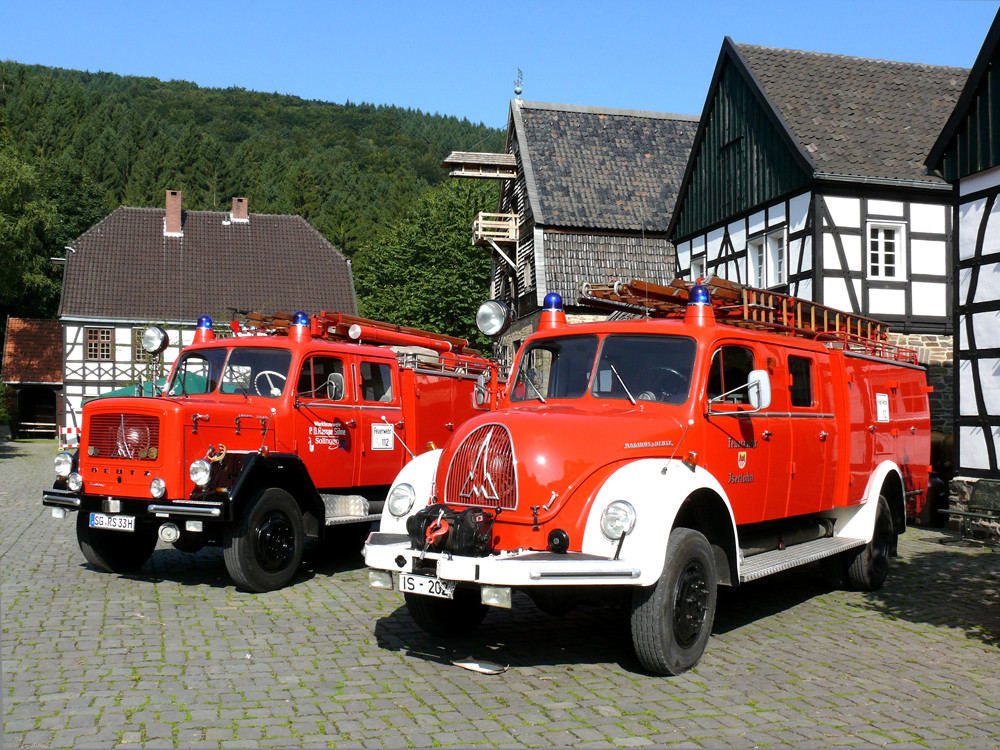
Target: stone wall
[(960, 491), (935, 353)]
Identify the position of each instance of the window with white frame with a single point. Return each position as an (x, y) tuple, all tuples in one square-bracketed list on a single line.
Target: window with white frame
[(767, 260), (886, 248), (99, 343), (698, 268)]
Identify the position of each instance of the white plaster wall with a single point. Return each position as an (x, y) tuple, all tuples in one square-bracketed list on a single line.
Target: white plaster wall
[(846, 212), (798, 212), (715, 238), (973, 441), (970, 215), (886, 208), (738, 235), (981, 181), (930, 298), (684, 254), (928, 218), (928, 257), (756, 223), (835, 293), (886, 301), (776, 215)]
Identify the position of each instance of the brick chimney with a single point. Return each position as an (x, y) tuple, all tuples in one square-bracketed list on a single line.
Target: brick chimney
[(240, 210), (172, 224)]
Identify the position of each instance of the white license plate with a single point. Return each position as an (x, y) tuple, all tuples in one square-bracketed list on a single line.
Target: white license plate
[(427, 586), (113, 523)]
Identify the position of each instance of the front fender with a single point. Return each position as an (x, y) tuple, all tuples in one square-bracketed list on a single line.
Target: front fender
[(419, 474), (656, 488)]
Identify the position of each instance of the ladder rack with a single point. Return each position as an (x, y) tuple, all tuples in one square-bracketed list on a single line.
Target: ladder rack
[(335, 326), (755, 309)]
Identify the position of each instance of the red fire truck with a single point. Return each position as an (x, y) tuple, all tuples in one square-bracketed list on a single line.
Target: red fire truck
[(728, 434), (292, 428)]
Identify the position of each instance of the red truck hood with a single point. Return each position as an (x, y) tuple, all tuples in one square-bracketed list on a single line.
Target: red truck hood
[(520, 457)]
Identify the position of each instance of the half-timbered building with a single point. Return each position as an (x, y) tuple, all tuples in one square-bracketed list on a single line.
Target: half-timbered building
[(967, 155), (806, 176), (586, 194), (167, 266), (32, 372)]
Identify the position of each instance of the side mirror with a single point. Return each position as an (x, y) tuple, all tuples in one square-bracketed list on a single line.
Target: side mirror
[(481, 392), (335, 386), (759, 389)]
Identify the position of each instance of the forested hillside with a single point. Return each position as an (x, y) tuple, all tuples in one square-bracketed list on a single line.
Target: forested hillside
[(74, 145)]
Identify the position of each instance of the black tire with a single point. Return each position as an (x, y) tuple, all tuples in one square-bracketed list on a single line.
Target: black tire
[(263, 549), (868, 566), (115, 551), (447, 617), (672, 620)]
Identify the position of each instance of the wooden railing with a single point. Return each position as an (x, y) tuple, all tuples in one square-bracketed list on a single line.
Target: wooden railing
[(496, 227)]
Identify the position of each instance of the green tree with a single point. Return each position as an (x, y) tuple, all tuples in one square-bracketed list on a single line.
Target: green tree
[(423, 270), (28, 285)]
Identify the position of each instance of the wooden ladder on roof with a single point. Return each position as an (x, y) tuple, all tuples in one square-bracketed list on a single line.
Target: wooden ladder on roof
[(756, 309)]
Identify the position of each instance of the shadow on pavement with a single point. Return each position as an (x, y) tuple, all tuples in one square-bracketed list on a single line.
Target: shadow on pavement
[(207, 567), (947, 587), (521, 637), (11, 449)]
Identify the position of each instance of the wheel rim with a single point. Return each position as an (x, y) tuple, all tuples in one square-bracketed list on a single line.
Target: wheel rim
[(690, 604), (274, 541)]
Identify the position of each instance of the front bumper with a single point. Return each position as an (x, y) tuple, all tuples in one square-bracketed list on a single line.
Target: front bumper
[(203, 510), (516, 569)]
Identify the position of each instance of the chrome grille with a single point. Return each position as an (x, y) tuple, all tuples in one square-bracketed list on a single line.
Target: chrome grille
[(133, 437), (482, 470)]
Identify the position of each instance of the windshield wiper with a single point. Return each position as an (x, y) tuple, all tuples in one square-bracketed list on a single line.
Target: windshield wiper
[(627, 391), (535, 389)]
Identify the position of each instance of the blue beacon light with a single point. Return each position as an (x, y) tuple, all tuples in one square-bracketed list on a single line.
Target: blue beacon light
[(699, 295), (300, 319), (205, 321), (552, 301)]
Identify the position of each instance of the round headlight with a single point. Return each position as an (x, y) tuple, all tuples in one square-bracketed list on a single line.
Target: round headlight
[(75, 482), (63, 464), (494, 318), (200, 471), (617, 519), (401, 499), (157, 488), (154, 340)]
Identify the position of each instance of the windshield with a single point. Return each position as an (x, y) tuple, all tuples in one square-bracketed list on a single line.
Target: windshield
[(248, 371), (555, 368), (645, 368), (632, 367)]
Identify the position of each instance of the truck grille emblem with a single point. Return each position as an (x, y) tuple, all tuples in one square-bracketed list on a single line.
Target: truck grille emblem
[(482, 470), (481, 487)]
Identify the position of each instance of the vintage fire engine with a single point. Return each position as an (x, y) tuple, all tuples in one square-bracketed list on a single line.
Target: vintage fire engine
[(729, 434), (293, 428)]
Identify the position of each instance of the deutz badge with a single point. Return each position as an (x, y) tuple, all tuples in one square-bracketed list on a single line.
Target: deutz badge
[(741, 459)]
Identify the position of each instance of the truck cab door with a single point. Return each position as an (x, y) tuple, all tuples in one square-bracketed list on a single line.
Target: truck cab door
[(381, 430), (813, 435), (737, 445), (326, 421)]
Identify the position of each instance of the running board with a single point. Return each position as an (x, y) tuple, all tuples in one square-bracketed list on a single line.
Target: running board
[(778, 560), (341, 509)]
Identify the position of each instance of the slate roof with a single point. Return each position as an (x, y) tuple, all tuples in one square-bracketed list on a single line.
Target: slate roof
[(853, 116), (124, 268), (32, 351), (604, 169)]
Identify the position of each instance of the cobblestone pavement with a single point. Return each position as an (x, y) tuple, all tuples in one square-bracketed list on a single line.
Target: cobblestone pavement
[(176, 656)]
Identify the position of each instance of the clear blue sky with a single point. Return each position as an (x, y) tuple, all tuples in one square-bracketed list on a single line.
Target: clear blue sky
[(461, 58)]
